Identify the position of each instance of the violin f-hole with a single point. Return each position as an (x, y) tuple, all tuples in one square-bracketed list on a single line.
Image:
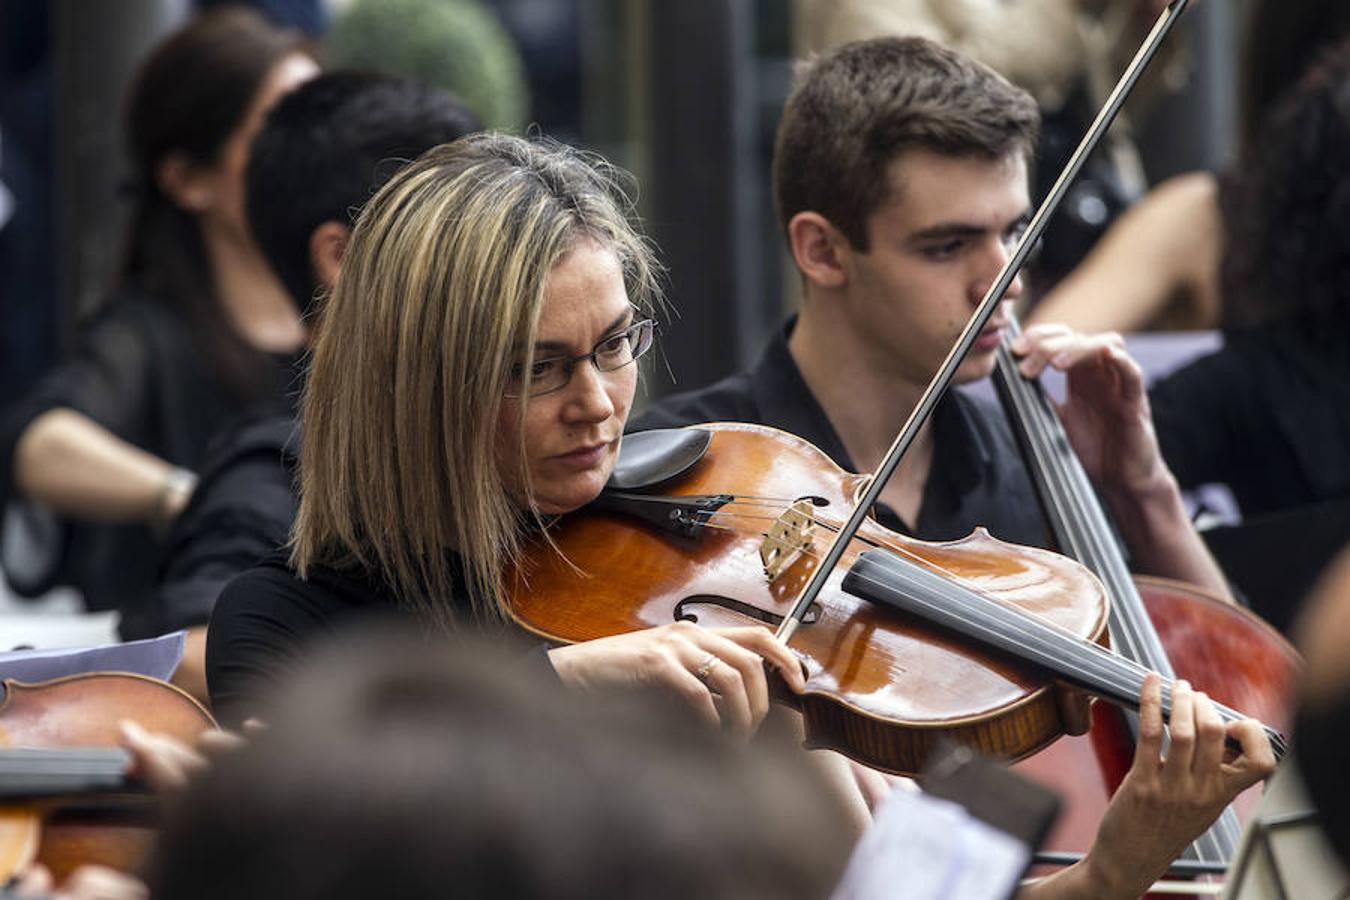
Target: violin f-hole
[(687, 610)]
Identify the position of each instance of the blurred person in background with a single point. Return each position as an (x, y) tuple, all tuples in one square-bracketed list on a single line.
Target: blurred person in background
[(1158, 267), (1323, 722), (323, 151), (1269, 414), (196, 330)]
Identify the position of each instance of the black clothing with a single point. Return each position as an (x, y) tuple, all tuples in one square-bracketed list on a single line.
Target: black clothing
[(140, 371), (267, 618), (1265, 416), (241, 511), (977, 476), (1269, 416)]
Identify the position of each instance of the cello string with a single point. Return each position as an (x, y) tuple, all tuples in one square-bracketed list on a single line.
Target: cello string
[(1085, 528)]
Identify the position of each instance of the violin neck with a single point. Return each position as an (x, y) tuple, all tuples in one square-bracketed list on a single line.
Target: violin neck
[(37, 772), (1077, 520), (882, 577)]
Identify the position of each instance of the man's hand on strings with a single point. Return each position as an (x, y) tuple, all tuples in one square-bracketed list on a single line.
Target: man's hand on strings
[(1106, 412)]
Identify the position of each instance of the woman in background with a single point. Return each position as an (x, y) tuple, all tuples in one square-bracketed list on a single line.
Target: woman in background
[(1158, 266), (1269, 414), (196, 330)]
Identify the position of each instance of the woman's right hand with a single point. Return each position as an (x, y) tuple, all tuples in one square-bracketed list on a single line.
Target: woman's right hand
[(693, 663)]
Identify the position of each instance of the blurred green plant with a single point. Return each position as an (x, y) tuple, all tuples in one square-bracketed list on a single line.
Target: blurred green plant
[(458, 45)]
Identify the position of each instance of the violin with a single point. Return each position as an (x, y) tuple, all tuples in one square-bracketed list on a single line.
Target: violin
[(65, 798), (1173, 628), (987, 643)]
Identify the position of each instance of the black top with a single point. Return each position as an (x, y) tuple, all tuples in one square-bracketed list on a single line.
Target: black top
[(241, 511), (138, 370), (267, 619), (1264, 416), (977, 476)]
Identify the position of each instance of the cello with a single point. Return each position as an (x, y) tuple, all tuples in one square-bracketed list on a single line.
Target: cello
[(1172, 628)]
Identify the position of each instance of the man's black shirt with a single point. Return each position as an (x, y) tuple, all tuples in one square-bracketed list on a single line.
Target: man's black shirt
[(977, 476)]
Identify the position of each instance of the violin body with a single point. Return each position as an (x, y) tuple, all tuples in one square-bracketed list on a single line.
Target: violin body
[(1222, 649), (880, 687), (85, 711)]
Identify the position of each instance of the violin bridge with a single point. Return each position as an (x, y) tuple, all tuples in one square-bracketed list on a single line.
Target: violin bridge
[(790, 534)]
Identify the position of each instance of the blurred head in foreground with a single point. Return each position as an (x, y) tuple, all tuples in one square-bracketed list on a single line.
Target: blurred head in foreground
[(398, 767)]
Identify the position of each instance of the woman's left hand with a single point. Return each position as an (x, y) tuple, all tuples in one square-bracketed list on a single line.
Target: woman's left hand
[(1164, 803), (165, 763)]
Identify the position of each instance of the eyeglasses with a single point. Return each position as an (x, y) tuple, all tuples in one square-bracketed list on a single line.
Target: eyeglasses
[(554, 372)]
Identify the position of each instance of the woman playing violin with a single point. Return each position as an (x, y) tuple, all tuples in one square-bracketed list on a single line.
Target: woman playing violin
[(471, 377)]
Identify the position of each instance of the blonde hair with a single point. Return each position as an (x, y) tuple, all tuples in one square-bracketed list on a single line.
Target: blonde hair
[(439, 294)]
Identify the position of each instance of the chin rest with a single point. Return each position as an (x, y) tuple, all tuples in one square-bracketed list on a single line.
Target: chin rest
[(650, 458)]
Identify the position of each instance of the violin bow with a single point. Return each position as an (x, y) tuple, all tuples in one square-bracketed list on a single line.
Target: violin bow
[(923, 410)]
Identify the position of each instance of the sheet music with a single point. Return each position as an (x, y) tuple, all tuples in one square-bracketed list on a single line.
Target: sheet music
[(920, 847), (156, 657)]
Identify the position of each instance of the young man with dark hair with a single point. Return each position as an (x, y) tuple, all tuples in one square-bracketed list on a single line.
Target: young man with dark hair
[(322, 152), (900, 176)]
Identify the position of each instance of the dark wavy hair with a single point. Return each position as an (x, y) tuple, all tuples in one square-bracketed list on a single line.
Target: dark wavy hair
[(188, 97), (1287, 262), (1281, 38)]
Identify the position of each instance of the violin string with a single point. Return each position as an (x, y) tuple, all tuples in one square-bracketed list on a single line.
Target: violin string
[(809, 554), (1065, 654), (959, 610), (748, 499), (1099, 660), (901, 552), (1104, 667)]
